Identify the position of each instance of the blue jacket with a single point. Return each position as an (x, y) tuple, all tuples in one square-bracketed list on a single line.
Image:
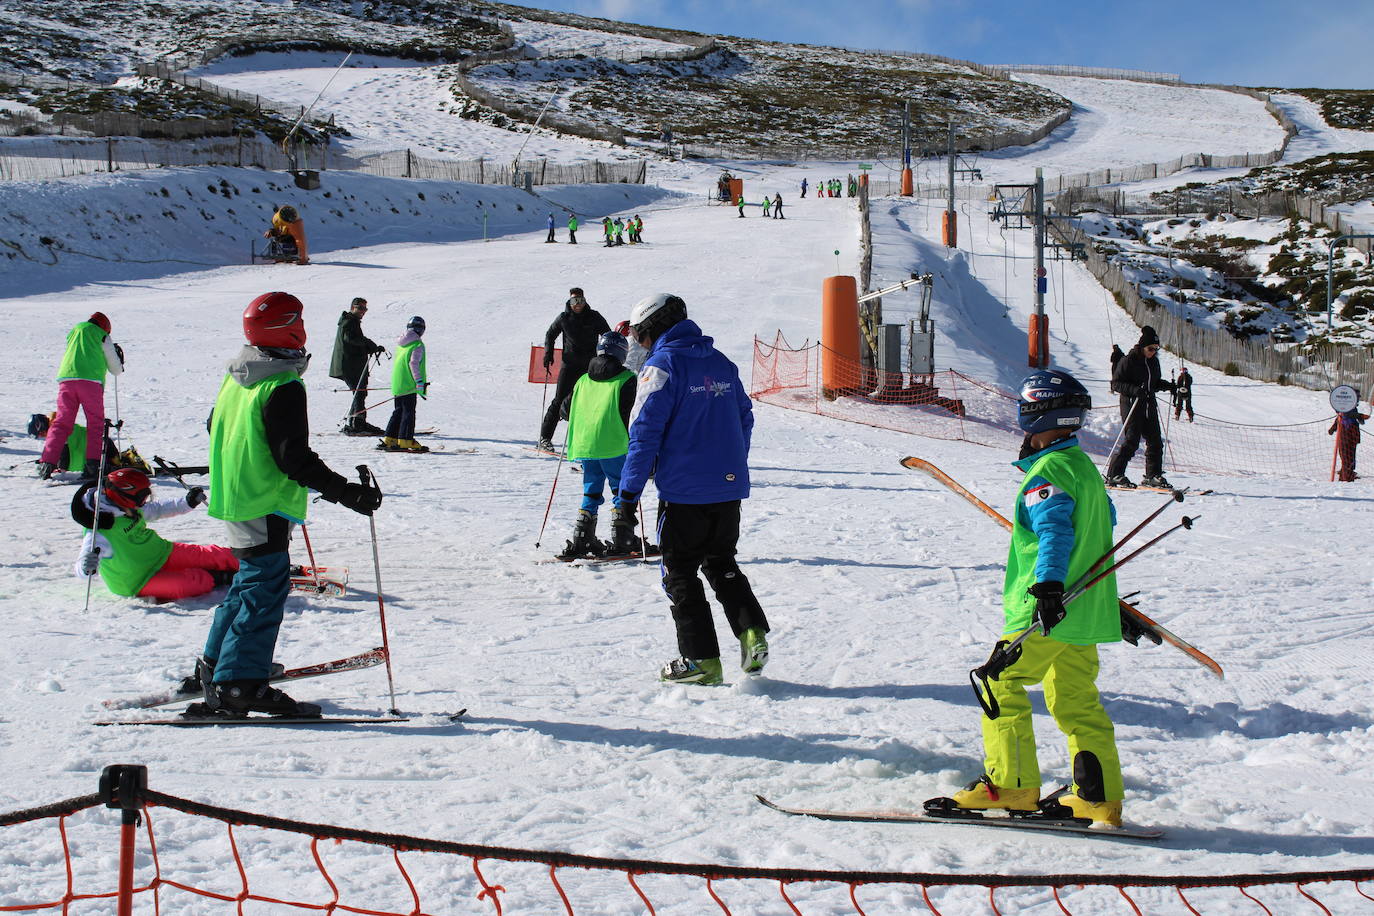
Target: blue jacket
[(1048, 511), (691, 422)]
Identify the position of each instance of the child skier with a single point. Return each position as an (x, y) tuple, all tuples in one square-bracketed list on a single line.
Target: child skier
[(598, 414), (767, 207), (1063, 524), (89, 356), (1346, 429), (409, 379), (572, 228), (130, 557)]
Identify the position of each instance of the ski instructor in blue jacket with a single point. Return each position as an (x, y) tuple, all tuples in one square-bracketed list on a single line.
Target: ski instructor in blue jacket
[(690, 430)]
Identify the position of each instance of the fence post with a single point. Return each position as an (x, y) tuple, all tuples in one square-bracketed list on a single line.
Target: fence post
[(109, 154), (122, 786)]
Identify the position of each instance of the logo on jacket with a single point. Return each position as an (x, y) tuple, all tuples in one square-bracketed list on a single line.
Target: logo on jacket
[(712, 387)]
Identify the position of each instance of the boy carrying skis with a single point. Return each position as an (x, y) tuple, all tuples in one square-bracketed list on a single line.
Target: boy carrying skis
[(598, 415), (1063, 524)]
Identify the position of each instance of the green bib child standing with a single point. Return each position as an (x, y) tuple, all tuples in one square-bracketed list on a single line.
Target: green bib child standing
[(594, 426)]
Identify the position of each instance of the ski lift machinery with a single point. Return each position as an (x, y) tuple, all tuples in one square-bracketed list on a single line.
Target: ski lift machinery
[(885, 340)]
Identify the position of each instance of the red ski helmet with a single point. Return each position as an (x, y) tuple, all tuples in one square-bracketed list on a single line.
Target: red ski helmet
[(99, 320), (274, 320), (128, 488)]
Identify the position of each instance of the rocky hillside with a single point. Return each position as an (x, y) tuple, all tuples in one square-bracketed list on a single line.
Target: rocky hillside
[(739, 93)]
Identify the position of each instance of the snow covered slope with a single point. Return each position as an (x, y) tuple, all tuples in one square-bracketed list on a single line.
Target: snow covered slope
[(882, 588)]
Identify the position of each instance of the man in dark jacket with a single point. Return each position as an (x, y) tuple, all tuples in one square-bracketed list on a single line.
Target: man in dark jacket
[(580, 326), (691, 429), (352, 350), (1183, 394), (1136, 378)]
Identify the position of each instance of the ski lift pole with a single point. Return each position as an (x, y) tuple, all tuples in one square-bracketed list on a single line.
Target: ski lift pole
[(369, 479)]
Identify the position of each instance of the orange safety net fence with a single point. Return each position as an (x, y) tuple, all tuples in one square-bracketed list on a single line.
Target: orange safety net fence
[(379, 874), (954, 406)]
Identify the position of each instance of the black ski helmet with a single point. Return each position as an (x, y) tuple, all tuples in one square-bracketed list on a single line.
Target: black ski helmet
[(613, 345), (655, 314), (1052, 399), (416, 324), (38, 425)]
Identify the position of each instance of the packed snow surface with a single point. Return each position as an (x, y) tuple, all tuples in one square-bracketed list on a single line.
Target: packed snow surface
[(882, 587)]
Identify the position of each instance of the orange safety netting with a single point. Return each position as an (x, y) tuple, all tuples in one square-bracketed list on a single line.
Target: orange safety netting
[(951, 405), (538, 374), (363, 872)]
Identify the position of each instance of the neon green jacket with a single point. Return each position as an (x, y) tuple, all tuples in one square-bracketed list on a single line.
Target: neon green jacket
[(595, 428), (245, 481)]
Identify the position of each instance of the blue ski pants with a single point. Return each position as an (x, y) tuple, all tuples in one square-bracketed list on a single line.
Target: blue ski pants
[(244, 632), (596, 472)]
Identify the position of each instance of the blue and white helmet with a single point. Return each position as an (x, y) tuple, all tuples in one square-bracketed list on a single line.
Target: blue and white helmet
[(613, 345), (1052, 399)]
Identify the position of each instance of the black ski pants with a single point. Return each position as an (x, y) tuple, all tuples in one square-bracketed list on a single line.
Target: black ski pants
[(567, 378), (357, 411), (402, 422), (693, 537), (1142, 420)]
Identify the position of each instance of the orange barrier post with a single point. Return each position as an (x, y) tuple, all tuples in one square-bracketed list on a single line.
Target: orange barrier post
[(908, 186), (1039, 342), (949, 228), (736, 190), (839, 335)]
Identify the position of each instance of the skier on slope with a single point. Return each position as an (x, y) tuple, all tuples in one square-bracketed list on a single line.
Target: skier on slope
[(131, 557), (89, 356), (1136, 378), (1183, 394), (550, 238), (409, 380), (598, 415), (691, 428), (261, 465), (348, 364), (1063, 524), (572, 228), (580, 326)]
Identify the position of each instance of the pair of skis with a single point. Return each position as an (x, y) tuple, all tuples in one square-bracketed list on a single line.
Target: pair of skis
[(1143, 621), (327, 581), (368, 659)]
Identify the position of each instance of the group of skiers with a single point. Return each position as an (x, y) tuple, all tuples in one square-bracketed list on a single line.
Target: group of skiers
[(617, 231), (833, 187)]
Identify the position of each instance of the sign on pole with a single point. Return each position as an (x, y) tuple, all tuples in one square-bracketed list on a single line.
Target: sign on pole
[(1344, 398)]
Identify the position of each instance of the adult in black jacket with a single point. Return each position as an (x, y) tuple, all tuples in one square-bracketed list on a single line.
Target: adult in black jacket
[(580, 325), (1136, 378), (352, 350)]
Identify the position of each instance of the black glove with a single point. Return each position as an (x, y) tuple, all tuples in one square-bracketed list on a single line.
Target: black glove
[(1132, 629), (361, 499), (1049, 605), (119, 351), (548, 360), (195, 496), (377, 350), (627, 500), (90, 562)]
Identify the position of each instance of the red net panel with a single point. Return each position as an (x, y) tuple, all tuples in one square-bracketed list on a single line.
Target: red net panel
[(538, 374)]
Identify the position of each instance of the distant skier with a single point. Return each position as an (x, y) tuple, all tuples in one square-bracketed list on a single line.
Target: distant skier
[(1136, 379), (1062, 525), (608, 231), (349, 364), (90, 355), (572, 228), (1115, 358), (777, 207), (131, 557), (260, 466), (1183, 394), (409, 380), (767, 207), (618, 231), (691, 430), (550, 238), (598, 415), (740, 203), (580, 326), (1346, 428), (803, 187)]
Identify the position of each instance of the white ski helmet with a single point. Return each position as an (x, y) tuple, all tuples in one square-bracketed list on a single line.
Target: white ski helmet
[(655, 314)]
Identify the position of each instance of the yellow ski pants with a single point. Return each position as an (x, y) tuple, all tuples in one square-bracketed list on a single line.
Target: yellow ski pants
[(1069, 675)]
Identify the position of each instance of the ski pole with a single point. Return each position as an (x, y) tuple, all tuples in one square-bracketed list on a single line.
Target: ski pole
[(368, 479), (95, 505), (377, 388), (643, 538), (1005, 654), (1175, 497), (352, 414), (314, 570), (544, 404), (553, 489), (119, 423), (1122, 431)]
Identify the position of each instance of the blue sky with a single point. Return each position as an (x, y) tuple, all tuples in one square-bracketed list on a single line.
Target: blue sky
[(1247, 42)]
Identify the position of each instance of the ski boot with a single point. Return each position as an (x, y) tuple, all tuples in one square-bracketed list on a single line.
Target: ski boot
[(584, 543), (410, 445), (704, 671), (1120, 480), (753, 651), (364, 428), (624, 541), (983, 795), (44, 470), (192, 683), (1066, 804), (222, 577), (239, 698), (1157, 480), (389, 444), (91, 470), (546, 445)]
